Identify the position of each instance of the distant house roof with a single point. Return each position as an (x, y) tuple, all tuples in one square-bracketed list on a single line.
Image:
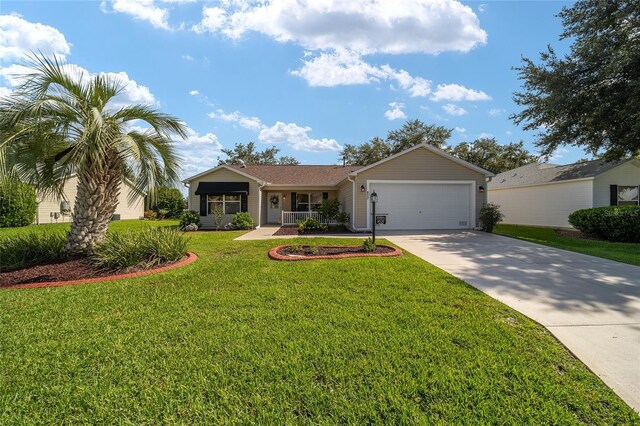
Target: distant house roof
[(541, 173)]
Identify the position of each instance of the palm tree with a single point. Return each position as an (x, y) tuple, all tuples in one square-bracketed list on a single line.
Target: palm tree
[(60, 122)]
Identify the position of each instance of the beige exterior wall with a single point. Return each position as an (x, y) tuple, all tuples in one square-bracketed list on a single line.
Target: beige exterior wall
[(50, 205), (419, 164), (543, 205), (345, 196), (625, 174), (225, 175)]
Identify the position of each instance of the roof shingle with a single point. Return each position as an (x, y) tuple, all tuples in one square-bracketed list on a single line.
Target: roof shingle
[(298, 175)]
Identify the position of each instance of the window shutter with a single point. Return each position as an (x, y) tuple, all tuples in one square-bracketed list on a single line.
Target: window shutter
[(613, 195), (243, 203), (203, 205), (325, 195), (294, 202)]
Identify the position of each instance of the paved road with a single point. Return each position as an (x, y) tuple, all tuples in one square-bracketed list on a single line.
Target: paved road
[(590, 304)]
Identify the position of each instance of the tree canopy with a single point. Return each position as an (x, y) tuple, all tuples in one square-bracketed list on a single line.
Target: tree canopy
[(249, 155), (412, 133), (589, 98), (490, 155)]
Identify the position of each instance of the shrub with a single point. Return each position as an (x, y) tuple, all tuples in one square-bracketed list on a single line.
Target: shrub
[(615, 223), (150, 215), (170, 200), (217, 215), (368, 245), (17, 204), (329, 209), (188, 218), (242, 220), (31, 248), (146, 248), (490, 216), (342, 218), (311, 224)]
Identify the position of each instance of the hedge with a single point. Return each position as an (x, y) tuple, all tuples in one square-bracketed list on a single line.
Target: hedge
[(615, 223), (17, 204)]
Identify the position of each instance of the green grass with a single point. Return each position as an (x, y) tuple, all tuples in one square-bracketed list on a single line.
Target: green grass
[(621, 252), (239, 338)]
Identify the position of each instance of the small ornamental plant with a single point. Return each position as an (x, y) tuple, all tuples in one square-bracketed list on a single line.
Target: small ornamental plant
[(311, 224), (189, 218), (490, 216), (217, 215), (242, 220), (368, 245)]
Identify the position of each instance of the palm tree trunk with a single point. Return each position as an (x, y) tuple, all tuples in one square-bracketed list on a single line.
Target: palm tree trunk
[(95, 203)]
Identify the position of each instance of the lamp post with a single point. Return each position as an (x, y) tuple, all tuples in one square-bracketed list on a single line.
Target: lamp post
[(374, 200)]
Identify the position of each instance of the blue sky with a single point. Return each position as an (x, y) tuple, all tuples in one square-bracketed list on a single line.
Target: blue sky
[(307, 77)]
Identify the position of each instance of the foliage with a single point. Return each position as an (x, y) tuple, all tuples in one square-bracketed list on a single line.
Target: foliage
[(620, 252), (18, 204), (342, 218), (490, 155), (589, 98), (331, 332), (614, 223), (150, 215), (368, 245), (217, 215), (329, 209), (242, 220), (412, 133), (490, 216), (30, 248), (59, 122), (147, 248), (188, 218), (311, 224), (248, 154), (169, 200)]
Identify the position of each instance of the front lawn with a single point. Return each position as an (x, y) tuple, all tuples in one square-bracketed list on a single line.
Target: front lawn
[(239, 338), (621, 252)]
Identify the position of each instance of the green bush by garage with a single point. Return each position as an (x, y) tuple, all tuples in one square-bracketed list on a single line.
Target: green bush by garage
[(615, 223), (17, 204)]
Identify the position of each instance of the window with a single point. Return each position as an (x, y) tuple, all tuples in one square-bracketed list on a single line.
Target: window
[(230, 204), (627, 195), (308, 201)]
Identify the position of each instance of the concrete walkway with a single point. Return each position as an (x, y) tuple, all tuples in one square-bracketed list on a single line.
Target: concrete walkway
[(266, 233), (591, 305)]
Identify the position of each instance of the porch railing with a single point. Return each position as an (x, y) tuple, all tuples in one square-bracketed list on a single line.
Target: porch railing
[(292, 218)]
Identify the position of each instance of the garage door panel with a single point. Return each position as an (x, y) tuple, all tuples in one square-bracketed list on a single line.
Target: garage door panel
[(423, 205)]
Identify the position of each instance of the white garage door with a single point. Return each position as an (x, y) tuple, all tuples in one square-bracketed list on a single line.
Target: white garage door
[(423, 205)]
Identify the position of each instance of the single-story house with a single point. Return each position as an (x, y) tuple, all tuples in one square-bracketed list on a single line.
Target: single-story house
[(422, 187), (543, 194), (50, 208)]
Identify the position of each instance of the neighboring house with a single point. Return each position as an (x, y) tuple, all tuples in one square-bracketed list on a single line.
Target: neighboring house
[(546, 194), (50, 207), (420, 188)]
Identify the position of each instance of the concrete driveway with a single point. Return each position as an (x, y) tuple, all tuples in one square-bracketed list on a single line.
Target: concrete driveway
[(591, 305)]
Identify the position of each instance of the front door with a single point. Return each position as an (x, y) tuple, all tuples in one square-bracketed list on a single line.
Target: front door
[(274, 207)]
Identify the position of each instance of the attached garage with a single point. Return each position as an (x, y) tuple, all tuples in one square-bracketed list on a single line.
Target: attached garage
[(424, 204)]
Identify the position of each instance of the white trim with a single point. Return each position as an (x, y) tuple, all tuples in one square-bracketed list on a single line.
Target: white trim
[(429, 148), (489, 188), (223, 166), (472, 194)]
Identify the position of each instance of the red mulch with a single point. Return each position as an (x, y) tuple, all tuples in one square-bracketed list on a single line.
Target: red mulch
[(67, 270), (311, 251)]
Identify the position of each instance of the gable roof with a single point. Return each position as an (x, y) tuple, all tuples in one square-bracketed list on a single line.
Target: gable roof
[(543, 173), (433, 149), (298, 175)]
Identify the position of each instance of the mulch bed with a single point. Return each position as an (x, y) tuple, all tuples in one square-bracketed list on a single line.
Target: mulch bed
[(75, 271), (329, 252), (293, 230)]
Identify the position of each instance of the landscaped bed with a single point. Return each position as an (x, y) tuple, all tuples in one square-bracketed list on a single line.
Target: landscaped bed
[(299, 252), (295, 230)]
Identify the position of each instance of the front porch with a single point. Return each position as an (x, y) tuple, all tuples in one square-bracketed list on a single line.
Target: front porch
[(292, 218)]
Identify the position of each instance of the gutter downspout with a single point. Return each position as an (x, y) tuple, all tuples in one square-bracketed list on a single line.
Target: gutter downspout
[(188, 186), (353, 201), (260, 186)]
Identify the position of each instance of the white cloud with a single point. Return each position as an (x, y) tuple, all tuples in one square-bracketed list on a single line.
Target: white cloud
[(452, 109), (188, 57), (143, 10), (365, 26), (296, 137), (485, 135), (194, 92), (395, 112), (558, 154), (457, 92), (343, 67), (460, 129), (5, 91), (482, 7), (509, 132), (494, 112), (20, 37)]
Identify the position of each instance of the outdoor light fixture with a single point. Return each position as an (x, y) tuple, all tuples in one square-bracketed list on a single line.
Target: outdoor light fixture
[(374, 200), (481, 189), (284, 197), (362, 188)]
